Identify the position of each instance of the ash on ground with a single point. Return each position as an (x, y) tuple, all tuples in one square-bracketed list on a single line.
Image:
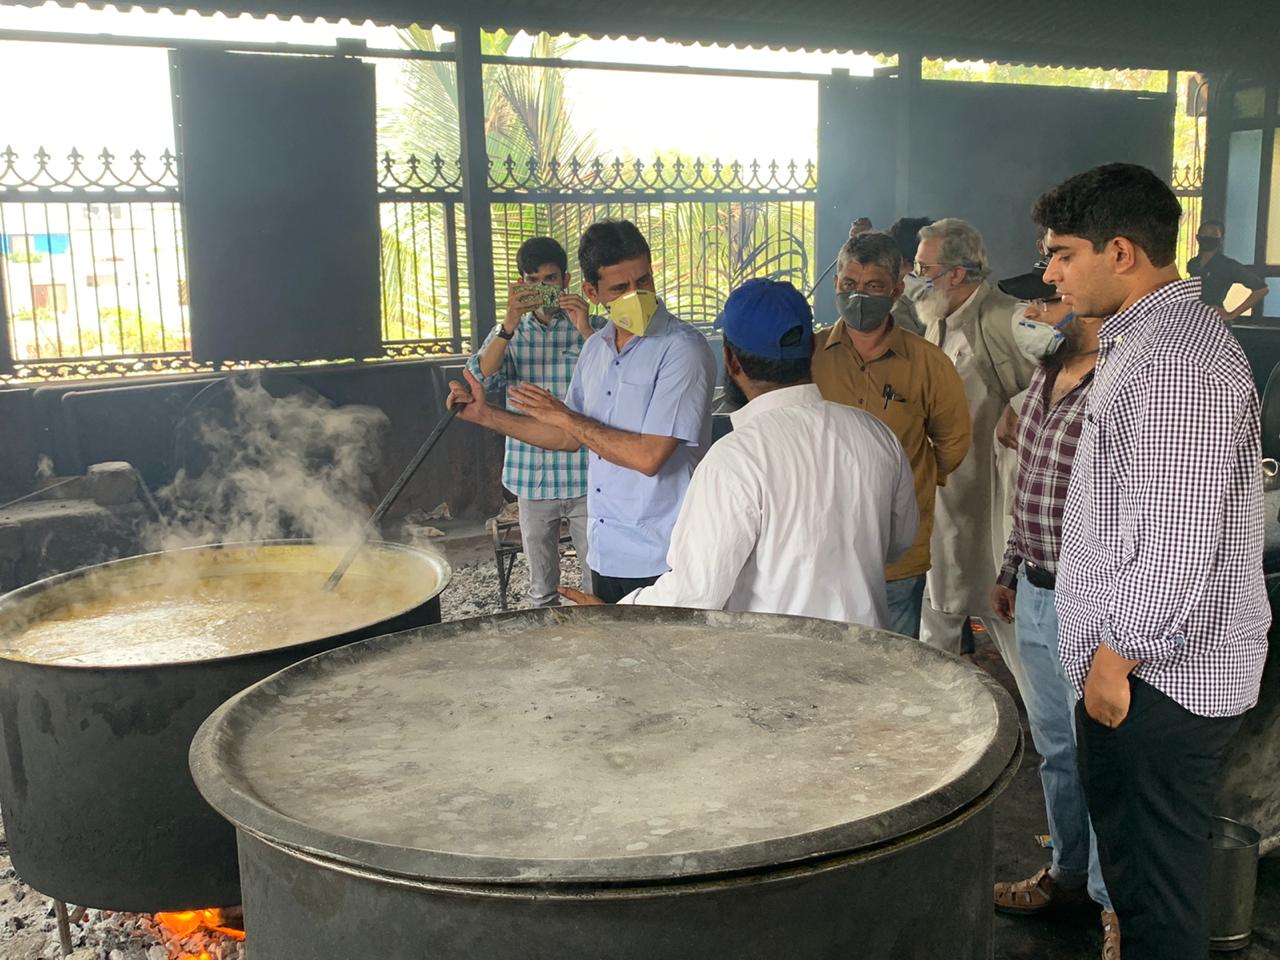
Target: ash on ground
[(28, 926)]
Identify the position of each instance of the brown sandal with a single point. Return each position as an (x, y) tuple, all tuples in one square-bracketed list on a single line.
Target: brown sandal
[(1110, 936), (1033, 895)]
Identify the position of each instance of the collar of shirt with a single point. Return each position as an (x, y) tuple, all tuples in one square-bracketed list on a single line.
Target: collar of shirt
[(837, 336), (1117, 325), (536, 324), (958, 318), (775, 399)]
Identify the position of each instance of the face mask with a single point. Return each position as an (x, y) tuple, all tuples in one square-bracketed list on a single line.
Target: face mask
[(863, 312), (633, 311), (1209, 243), (913, 287), (1038, 341)]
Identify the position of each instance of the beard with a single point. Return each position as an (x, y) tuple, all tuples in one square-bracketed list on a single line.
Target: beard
[(734, 398), (932, 306)]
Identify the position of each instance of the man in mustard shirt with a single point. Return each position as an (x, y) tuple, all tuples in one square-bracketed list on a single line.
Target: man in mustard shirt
[(869, 362)]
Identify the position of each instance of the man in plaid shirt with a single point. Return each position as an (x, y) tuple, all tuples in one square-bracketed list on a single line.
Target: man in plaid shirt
[(1160, 591), (1064, 348), (538, 344)]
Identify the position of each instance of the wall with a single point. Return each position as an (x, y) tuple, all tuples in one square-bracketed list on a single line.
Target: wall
[(78, 424), (979, 151)]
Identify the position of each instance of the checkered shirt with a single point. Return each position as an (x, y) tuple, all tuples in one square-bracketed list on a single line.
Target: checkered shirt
[(1048, 434), (1163, 528), (545, 355)]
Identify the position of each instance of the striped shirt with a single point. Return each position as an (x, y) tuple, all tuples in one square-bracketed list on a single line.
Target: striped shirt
[(1048, 434), (545, 355), (1163, 528)]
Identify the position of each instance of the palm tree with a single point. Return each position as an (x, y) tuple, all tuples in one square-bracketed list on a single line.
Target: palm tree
[(527, 130)]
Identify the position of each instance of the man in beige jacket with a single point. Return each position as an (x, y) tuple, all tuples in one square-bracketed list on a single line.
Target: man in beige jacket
[(972, 322)]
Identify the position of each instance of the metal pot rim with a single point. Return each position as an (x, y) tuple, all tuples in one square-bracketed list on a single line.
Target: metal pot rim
[(441, 566), (235, 799)]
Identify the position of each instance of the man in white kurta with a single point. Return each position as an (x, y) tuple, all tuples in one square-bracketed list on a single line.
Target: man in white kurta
[(972, 322), (798, 510)]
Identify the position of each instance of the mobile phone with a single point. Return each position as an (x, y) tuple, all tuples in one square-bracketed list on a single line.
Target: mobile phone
[(550, 295)]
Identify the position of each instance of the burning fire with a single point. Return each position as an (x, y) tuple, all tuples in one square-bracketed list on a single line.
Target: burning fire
[(188, 922)]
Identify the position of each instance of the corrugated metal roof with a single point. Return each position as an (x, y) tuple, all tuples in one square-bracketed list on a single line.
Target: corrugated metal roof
[(1158, 34)]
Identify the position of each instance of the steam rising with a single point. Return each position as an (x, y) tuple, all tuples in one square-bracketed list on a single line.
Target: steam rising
[(273, 467)]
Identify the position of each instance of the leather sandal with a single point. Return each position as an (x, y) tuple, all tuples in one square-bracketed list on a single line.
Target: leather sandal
[(1034, 895), (1110, 936)]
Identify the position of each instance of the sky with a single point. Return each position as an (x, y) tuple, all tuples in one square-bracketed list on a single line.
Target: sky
[(64, 95)]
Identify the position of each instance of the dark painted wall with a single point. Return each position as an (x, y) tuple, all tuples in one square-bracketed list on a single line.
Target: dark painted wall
[(278, 162), (981, 152), (80, 424)]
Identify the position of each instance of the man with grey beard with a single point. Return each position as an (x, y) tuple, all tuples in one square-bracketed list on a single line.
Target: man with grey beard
[(972, 321)]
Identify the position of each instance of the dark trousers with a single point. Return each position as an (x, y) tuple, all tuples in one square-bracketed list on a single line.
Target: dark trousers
[(1150, 784), (613, 589)]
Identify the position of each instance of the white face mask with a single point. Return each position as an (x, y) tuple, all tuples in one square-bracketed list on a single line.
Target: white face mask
[(913, 287), (1038, 341)]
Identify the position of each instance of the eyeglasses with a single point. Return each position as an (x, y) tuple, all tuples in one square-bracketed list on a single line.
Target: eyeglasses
[(919, 267)]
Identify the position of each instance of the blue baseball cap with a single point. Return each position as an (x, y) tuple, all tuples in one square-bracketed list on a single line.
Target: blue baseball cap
[(761, 318)]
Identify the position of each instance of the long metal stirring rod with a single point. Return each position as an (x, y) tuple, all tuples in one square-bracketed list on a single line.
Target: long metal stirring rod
[(392, 495)]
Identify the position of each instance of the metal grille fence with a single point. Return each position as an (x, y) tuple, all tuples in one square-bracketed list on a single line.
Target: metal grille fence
[(710, 226), (1188, 184), (93, 265)]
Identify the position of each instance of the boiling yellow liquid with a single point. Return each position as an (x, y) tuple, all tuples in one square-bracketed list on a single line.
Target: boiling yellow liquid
[(218, 609)]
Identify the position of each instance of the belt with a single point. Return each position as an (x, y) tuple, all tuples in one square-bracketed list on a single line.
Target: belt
[(1038, 576)]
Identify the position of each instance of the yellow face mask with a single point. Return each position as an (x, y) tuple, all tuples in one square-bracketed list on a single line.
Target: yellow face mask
[(633, 311)]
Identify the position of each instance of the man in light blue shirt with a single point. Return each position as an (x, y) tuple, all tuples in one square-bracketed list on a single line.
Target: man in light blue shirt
[(640, 402)]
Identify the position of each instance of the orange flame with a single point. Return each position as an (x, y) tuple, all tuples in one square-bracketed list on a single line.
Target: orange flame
[(187, 922)]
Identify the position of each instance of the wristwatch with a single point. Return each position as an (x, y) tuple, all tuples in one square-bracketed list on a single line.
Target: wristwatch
[(502, 332)]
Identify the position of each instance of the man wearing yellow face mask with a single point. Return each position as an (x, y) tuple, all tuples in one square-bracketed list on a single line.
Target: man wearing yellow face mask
[(639, 401)]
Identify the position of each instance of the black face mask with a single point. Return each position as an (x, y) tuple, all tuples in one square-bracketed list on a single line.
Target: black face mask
[(1209, 243)]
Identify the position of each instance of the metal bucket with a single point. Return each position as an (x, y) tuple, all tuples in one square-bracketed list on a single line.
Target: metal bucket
[(1233, 879)]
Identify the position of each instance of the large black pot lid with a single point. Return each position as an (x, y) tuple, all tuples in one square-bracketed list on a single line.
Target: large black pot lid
[(606, 744)]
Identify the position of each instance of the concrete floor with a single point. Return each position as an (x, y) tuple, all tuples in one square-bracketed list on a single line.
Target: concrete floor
[(1077, 935)]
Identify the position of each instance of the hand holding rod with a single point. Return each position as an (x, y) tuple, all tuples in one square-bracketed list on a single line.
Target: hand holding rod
[(393, 494)]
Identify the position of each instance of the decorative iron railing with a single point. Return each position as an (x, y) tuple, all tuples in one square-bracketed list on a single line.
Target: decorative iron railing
[(93, 262), (79, 175)]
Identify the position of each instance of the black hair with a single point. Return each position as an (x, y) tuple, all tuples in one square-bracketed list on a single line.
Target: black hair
[(536, 251), (781, 372), (874, 247), (607, 242), (1211, 222), (1115, 200), (906, 234)]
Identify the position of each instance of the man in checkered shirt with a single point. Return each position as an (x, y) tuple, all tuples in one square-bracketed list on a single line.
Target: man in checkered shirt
[(535, 343), (1065, 349), (1160, 596)]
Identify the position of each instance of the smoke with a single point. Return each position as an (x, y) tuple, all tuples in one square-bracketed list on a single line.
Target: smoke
[(261, 467)]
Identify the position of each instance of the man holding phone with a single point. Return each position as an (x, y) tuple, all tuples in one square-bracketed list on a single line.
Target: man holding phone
[(538, 341)]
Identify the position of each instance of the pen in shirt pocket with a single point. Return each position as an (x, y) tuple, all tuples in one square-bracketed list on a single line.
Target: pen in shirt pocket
[(891, 394)]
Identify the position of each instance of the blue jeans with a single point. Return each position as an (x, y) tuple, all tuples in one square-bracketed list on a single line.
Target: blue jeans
[(906, 598), (1051, 701)]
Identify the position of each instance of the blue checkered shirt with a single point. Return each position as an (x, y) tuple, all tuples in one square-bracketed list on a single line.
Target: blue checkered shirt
[(545, 355), (1162, 531)]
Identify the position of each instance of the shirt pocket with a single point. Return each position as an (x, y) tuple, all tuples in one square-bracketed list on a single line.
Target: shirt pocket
[(631, 403)]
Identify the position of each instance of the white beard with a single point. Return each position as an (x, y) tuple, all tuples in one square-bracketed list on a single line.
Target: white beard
[(932, 307)]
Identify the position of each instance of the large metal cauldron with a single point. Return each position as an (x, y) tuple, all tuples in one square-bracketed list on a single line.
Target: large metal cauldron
[(1248, 789), (98, 803), (616, 782)]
